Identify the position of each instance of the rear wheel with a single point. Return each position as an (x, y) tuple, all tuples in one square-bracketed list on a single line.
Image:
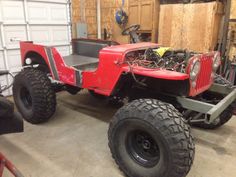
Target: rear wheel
[(150, 138), (34, 96)]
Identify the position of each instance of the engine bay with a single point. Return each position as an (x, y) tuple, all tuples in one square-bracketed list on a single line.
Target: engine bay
[(162, 57)]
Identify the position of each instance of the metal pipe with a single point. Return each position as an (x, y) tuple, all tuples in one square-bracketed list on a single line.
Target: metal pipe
[(69, 20), (99, 19), (27, 20), (226, 27), (221, 106), (3, 41), (4, 162)]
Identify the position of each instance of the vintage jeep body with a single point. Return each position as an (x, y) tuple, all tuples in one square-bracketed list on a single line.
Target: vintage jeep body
[(149, 136)]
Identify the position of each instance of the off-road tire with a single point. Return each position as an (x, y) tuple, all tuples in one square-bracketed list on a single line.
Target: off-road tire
[(166, 126), (41, 95), (224, 117)]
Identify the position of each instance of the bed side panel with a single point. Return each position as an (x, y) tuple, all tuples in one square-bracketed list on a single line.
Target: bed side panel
[(53, 59)]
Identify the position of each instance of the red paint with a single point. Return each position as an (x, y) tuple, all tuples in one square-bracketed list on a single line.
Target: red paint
[(66, 74), (4, 162), (111, 66), (204, 78), (157, 73)]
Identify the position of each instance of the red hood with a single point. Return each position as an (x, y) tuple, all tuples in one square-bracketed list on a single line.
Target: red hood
[(129, 47), (157, 73)]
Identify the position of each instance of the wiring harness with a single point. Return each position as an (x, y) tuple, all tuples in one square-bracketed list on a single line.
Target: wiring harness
[(174, 60), (5, 87)]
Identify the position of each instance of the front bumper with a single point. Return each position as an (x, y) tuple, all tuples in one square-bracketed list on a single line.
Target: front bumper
[(211, 111)]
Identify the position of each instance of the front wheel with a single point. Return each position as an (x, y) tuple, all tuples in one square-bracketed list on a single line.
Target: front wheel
[(34, 96), (150, 138)]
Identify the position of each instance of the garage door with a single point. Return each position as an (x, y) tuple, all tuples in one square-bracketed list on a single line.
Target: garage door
[(42, 21)]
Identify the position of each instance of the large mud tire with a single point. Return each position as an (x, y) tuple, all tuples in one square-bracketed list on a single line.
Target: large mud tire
[(34, 96), (149, 138)]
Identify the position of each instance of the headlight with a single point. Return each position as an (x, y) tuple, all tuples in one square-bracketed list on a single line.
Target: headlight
[(217, 61), (195, 69), (28, 61)]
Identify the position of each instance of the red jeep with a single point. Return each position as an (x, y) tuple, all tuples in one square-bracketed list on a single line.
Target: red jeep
[(166, 91)]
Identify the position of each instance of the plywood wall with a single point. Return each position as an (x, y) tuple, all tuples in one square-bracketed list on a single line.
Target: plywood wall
[(191, 26), (233, 9), (170, 25), (232, 29), (232, 41), (171, 28), (89, 9), (108, 10), (203, 26)]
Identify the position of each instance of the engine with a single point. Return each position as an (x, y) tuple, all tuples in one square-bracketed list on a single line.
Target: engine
[(165, 58)]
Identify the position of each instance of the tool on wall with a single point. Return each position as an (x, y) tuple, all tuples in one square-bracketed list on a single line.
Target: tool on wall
[(121, 16)]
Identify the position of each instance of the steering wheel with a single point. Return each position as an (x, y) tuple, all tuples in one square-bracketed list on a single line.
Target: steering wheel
[(128, 30)]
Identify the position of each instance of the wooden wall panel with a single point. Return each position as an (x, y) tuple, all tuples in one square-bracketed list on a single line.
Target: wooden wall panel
[(108, 10), (170, 25), (232, 30), (233, 9), (146, 16), (134, 13), (90, 14), (201, 34), (232, 40), (191, 26), (145, 13)]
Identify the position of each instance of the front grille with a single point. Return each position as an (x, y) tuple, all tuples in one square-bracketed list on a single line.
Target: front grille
[(204, 79)]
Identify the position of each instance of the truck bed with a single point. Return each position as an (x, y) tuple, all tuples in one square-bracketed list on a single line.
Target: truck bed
[(80, 62)]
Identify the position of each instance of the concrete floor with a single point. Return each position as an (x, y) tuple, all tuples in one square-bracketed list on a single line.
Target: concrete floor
[(74, 144)]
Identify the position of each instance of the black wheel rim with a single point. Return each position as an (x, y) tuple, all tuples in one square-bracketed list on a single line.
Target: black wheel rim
[(26, 97), (142, 148)]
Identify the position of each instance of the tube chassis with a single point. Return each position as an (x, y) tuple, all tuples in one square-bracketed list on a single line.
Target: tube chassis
[(210, 111)]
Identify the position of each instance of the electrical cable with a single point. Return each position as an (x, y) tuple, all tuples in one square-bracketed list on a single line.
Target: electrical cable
[(133, 75), (4, 88), (173, 60)]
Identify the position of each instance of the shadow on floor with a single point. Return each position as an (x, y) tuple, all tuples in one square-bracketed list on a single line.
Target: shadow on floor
[(85, 103)]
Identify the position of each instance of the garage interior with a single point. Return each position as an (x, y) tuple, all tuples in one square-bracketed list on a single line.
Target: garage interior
[(74, 143)]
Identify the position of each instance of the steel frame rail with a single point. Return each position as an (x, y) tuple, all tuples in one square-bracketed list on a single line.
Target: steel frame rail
[(211, 111)]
